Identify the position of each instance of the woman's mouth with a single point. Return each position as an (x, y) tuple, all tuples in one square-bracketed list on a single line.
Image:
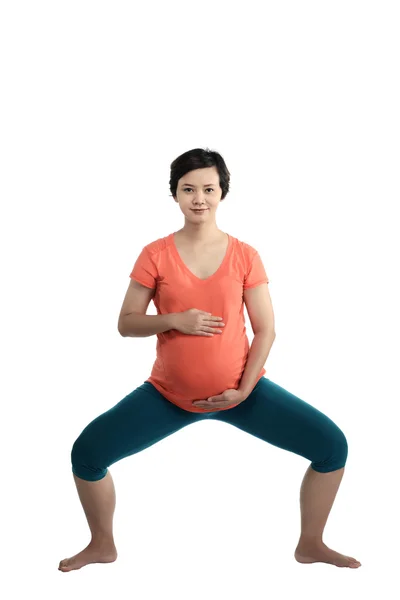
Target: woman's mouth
[(197, 210)]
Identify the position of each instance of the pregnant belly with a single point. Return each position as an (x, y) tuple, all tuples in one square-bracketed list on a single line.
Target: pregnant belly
[(198, 367)]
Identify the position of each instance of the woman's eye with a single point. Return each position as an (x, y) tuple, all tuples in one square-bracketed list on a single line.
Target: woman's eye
[(184, 189)]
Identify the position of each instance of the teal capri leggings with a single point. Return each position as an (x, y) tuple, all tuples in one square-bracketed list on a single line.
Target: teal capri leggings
[(145, 417)]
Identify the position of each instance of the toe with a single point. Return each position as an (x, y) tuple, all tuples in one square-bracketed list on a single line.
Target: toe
[(354, 562)]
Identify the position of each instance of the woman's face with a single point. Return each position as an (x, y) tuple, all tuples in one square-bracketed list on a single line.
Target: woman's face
[(199, 189)]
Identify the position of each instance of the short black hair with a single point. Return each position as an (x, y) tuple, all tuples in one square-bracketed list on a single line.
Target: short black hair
[(199, 158)]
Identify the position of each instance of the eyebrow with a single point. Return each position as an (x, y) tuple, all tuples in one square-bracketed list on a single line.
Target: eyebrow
[(205, 185)]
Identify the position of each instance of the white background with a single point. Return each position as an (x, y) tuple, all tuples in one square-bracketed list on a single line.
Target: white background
[(302, 101)]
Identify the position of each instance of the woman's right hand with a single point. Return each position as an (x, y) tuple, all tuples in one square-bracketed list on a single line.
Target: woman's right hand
[(196, 322)]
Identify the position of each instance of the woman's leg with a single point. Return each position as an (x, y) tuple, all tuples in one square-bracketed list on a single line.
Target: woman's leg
[(317, 494), (98, 502), (138, 421), (277, 416)]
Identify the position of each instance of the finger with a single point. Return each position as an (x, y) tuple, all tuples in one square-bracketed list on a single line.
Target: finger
[(213, 407)]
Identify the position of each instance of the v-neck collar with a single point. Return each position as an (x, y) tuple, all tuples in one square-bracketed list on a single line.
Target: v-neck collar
[(189, 272)]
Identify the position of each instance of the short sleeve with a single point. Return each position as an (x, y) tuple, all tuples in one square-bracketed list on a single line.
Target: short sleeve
[(256, 274), (144, 270)]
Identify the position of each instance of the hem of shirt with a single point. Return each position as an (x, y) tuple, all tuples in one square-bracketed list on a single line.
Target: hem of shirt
[(256, 284), (142, 282), (199, 410)]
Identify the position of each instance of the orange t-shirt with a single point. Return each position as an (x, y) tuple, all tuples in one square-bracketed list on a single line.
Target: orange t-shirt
[(194, 367)]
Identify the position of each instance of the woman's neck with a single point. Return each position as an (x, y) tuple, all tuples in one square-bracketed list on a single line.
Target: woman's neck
[(200, 235)]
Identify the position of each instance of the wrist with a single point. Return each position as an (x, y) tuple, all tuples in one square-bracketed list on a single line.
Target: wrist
[(170, 318), (243, 393)]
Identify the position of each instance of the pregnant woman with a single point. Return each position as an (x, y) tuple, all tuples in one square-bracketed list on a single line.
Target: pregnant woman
[(199, 279)]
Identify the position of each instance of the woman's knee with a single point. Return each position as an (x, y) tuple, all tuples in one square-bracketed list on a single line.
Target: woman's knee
[(335, 452), (84, 462)]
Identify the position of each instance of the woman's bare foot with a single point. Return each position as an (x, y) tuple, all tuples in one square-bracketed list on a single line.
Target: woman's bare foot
[(93, 553), (311, 552)]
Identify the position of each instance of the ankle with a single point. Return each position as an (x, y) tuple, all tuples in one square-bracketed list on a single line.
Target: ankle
[(313, 540), (102, 540)]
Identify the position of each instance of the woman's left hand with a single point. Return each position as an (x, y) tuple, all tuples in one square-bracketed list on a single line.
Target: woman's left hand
[(224, 400)]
